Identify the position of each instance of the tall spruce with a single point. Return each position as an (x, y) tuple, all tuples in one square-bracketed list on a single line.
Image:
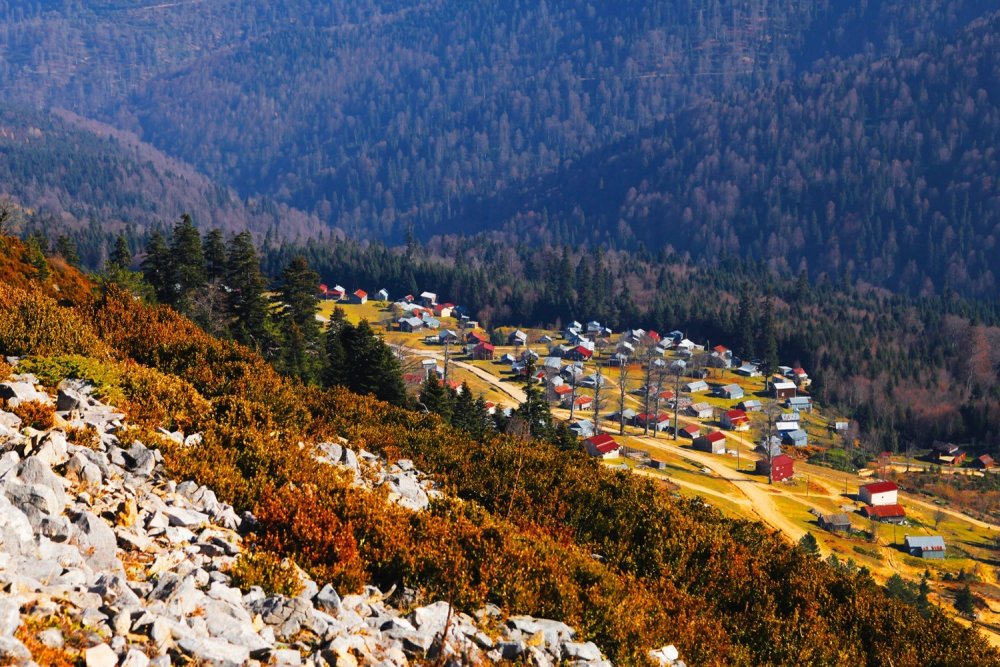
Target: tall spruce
[(302, 354), (121, 254), (215, 255), (188, 260), (247, 303), (156, 267)]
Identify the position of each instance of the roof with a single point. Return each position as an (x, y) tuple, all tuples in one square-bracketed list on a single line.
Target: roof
[(799, 400), (486, 347), (361, 294), (783, 385), (580, 349), (563, 389), (715, 436), (583, 400), (885, 511), (603, 443), (839, 519), (732, 388), (782, 459), (799, 371), (880, 487), (428, 295), (720, 349), (736, 414), (925, 542)]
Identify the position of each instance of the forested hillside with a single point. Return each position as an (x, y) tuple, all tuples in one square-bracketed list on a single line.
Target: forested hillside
[(525, 526), (877, 171), (74, 173)]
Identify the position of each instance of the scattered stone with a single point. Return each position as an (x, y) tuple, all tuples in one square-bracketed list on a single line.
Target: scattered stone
[(101, 656)]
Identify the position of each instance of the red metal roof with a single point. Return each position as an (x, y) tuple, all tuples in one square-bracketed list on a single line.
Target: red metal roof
[(782, 459), (487, 347), (715, 436), (603, 443), (584, 351), (880, 487), (884, 511), (360, 293), (736, 414), (563, 389)]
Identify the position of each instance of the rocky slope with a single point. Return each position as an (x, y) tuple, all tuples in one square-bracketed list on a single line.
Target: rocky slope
[(104, 561)]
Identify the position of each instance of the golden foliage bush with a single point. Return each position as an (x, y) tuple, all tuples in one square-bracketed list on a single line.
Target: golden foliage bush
[(34, 414), (265, 569), (32, 323)]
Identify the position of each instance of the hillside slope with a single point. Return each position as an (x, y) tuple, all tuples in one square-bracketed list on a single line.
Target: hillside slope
[(71, 172), (523, 534), (876, 171)]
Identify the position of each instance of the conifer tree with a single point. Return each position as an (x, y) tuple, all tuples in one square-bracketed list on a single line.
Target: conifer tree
[(156, 267), (121, 255), (247, 302), (188, 260), (436, 397), (215, 255), (301, 346), (66, 248)]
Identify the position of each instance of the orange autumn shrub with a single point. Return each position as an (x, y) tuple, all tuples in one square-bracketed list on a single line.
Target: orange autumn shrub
[(35, 414)]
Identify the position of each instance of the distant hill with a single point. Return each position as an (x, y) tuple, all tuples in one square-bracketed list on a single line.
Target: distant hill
[(879, 171), (73, 171)]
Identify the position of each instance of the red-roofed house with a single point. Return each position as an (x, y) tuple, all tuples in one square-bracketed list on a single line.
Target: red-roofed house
[(735, 420), (984, 462), (714, 443), (443, 310), (603, 446), (691, 431), (879, 493), (658, 422), (476, 337), (782, 467), (359, 297), (666, 395), (483, 352), (579, 353), (885, 513), (583, 402)]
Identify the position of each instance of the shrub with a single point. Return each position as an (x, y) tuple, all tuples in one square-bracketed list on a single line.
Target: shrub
[(267, 570), (34, 324), (34, 414)]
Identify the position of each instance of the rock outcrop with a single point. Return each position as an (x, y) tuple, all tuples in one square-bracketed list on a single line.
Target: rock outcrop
[(98, 540)]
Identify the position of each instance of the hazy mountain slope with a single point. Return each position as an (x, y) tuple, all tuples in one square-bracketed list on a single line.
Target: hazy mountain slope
[(883, 171), (64, 168)]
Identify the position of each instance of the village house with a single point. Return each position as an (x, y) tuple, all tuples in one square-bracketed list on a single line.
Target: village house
[(835, 523), (428, 298), (336, 294), (483, 352), (879, 493), (410, 324), (885, 513), (602, 446), (657, 422), (382, 295), (430, 322), (579, 353), (359, 297), (517, 337), (447, 336), (753, 405), (691, 431), (748, 370), (782, 465), (476, 337), (583, 403), (582, 428), (799, 403), (713, 443), (782, 389), (701, 410), (735, 420), (545, 339), (627, 415), (563, 394), (800, 377), (593, 380), (929, 546), (984, 462), (696, 386), (797, 438), (947, 453), (442, 309), (730, 392)]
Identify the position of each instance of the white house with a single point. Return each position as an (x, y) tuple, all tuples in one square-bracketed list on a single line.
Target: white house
[(879, 493)]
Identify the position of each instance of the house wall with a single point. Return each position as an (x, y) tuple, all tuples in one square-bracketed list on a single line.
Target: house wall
[(883, 498)]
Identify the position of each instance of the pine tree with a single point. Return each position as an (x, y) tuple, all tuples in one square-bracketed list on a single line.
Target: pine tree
[(66, 248), (436, 397), (745, 325), (769, 340), (965, 602), (809, 545), (247, 303), (367, 366), (301, 350), (535, 409), (188, 261), (215, 255), (121, 255), (156, 267), (34, 254)]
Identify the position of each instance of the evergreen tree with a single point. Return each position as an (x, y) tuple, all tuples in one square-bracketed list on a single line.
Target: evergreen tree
[(465, 416), (215, 255), (965, 601), (367, 366), (188, 261), (769, 340), (745, 326), (535, 409), (300, 328), (156, 267), (436, 397), (809, 545), (34, 254), (66, 248), (247, 303), (121, 255)]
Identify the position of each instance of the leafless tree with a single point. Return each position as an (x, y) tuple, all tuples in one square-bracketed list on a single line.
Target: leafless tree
[(598, 398), (939, 516), (11, 216), (623, 378), (771, 411)]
